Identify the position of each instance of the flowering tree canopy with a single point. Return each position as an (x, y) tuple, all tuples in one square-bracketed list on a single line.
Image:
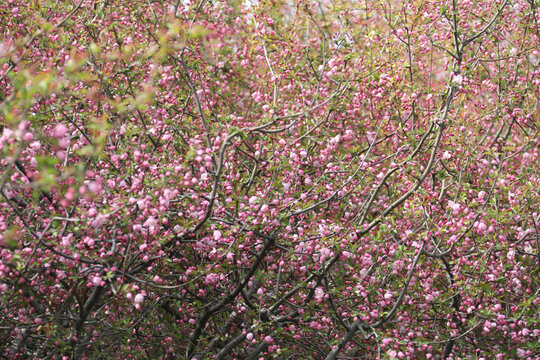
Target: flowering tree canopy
[(269, 179)]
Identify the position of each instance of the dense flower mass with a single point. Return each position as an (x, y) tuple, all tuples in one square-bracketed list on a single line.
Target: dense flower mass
[(269, 179)]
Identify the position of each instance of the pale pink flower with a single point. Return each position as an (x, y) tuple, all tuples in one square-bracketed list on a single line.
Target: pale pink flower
[(268, 339), (139, 298), (319, 293), (59, 131)]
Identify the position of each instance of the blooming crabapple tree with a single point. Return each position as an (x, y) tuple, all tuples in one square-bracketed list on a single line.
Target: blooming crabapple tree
[(271, 179)]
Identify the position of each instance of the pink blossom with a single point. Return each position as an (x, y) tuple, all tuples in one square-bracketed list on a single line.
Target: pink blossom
[(97, 281), (59, 131), (455, 206), (510, 255), (268, 339), (480, 225), (446, 155), (150, 222), (139, 298)]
